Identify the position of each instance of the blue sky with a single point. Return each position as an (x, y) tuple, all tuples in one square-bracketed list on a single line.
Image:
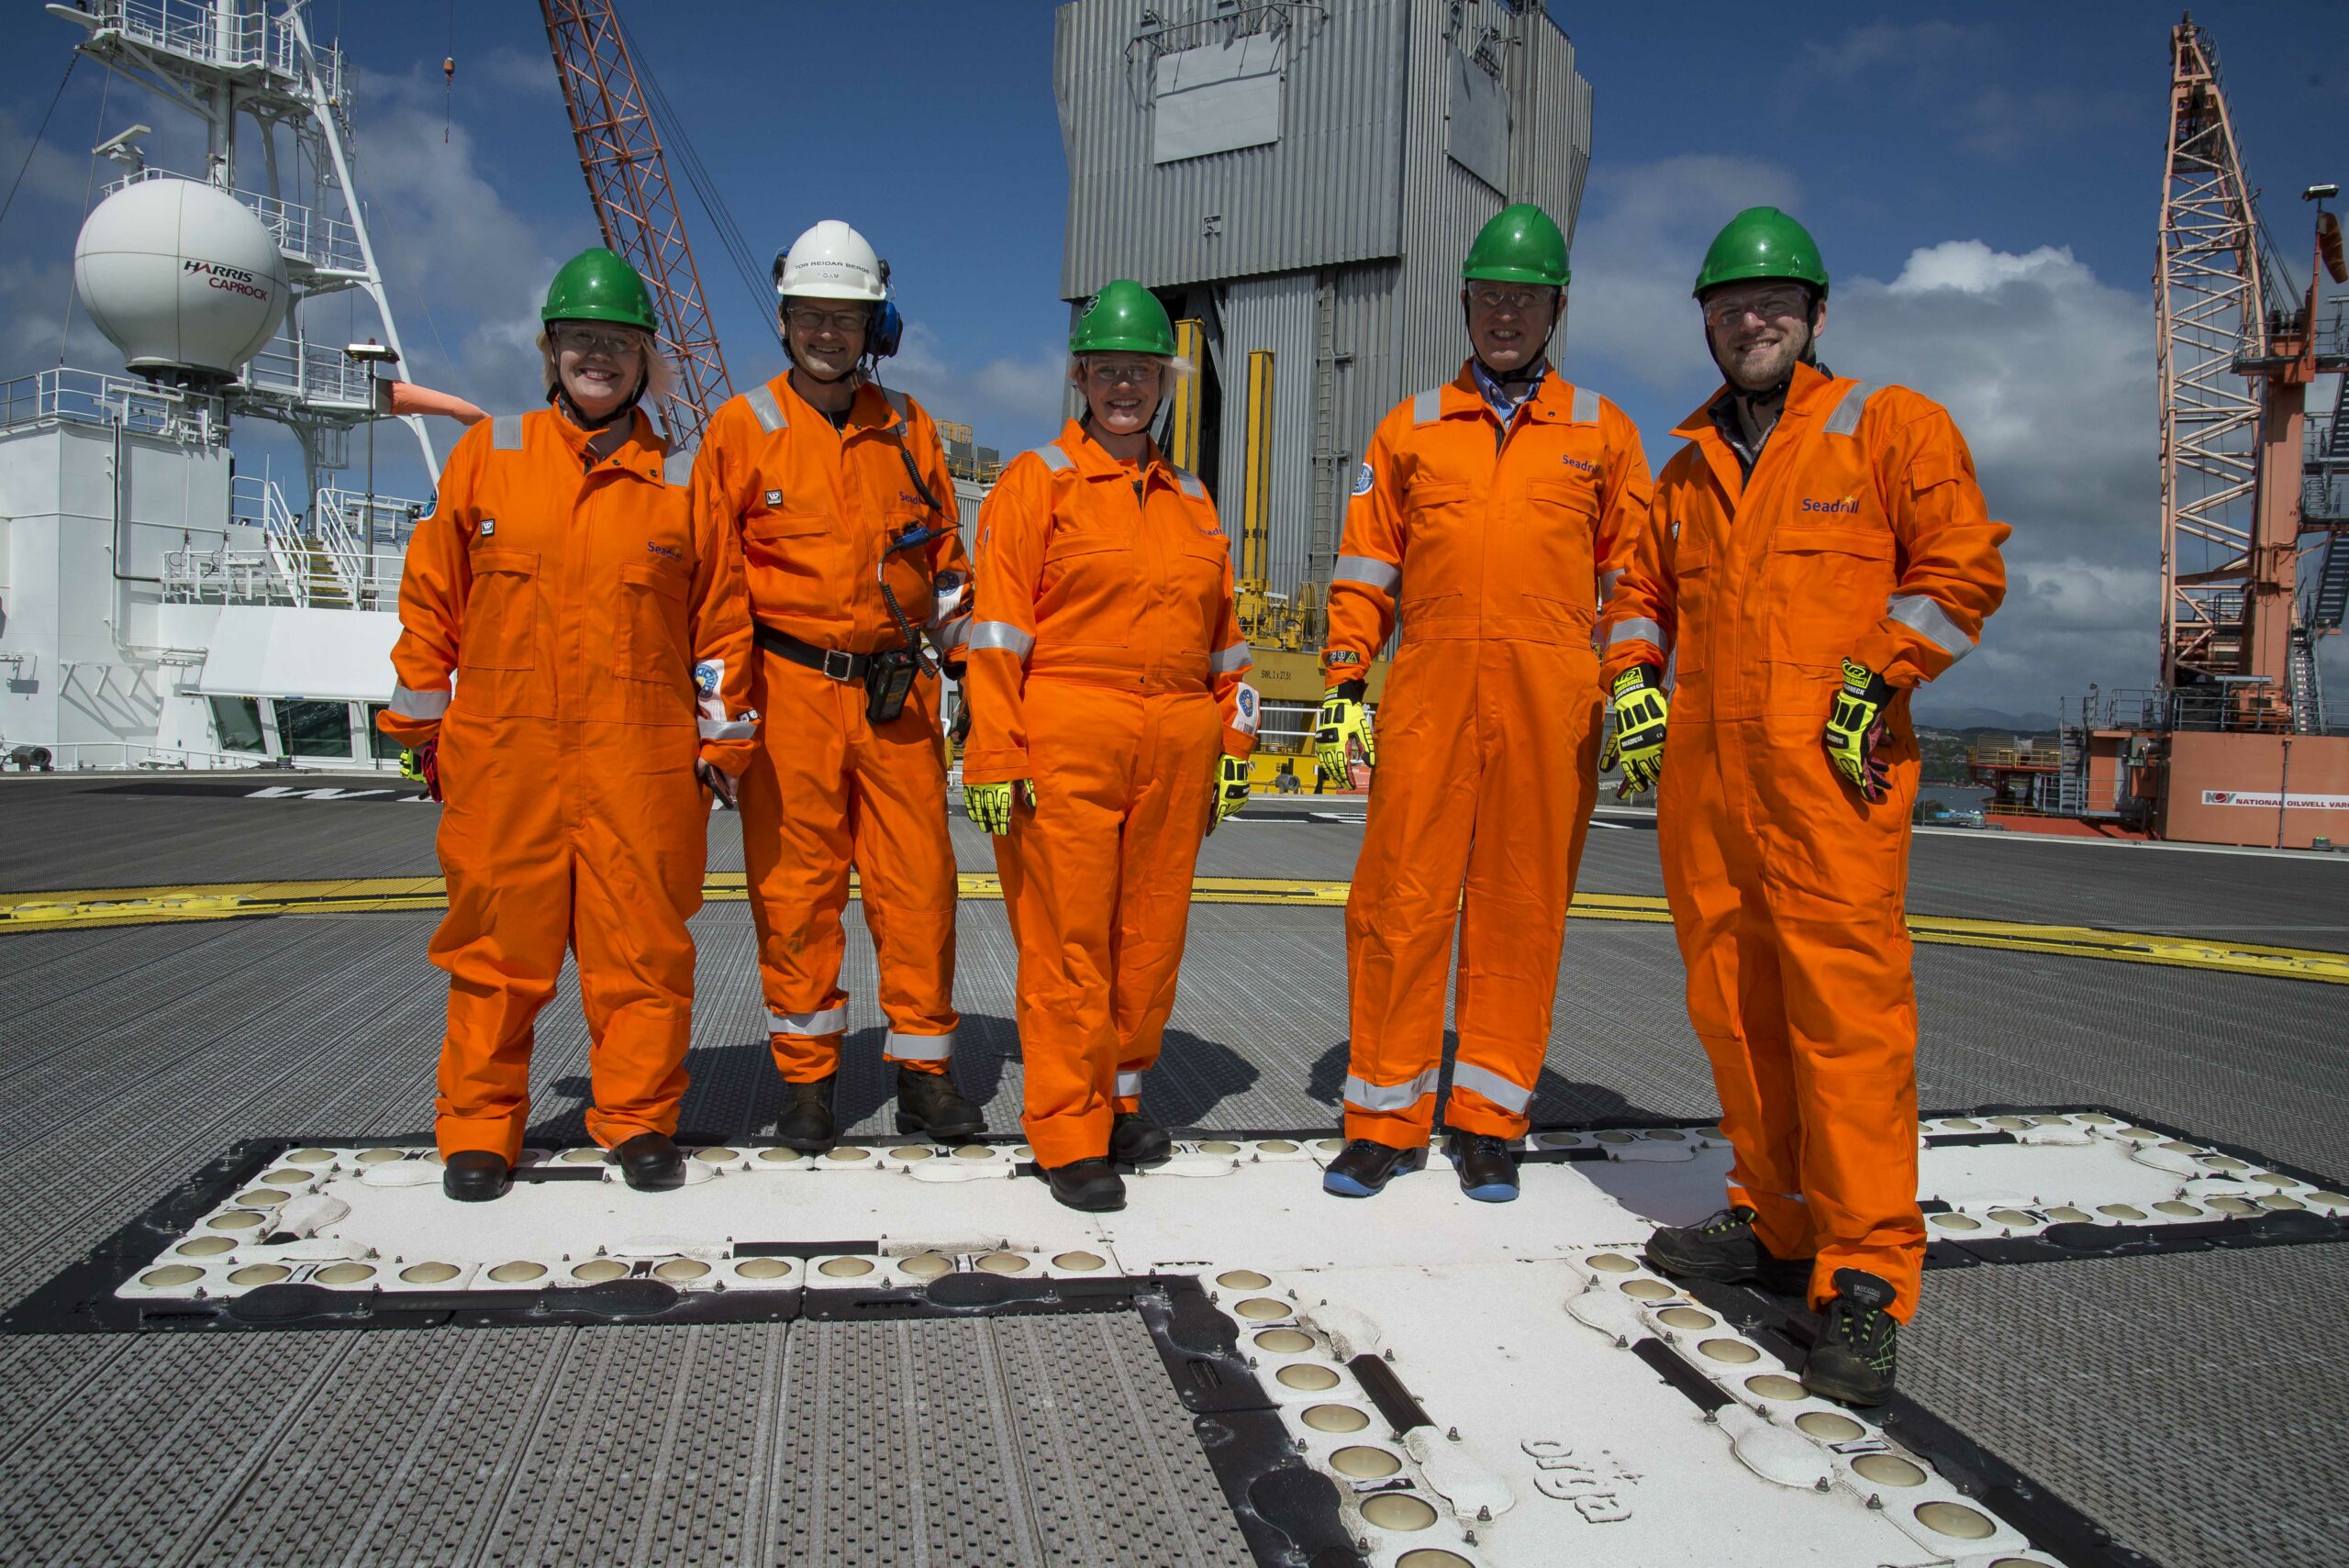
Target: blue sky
[(1982, 179)]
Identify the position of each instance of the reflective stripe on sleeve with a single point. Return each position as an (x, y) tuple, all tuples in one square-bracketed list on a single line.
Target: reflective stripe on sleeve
[(1189, 485), (1128, 1086), (1640, 629), (1368, 570), (677, 469), (1000, 634), (1428, 406), (410, 704), (953, 634), (1401, 1096), (1585, 405), (1922, 614), (920, 1046), (1607, 581), (768, 411), (1053, 458), (831, 1020), (1846, 420), (1231, 659), (505, 433), (727, 728), (1509, 1096)]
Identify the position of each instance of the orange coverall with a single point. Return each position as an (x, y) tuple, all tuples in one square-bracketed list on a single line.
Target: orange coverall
[(1860, 533), (1490, 544), (1106, 666), (580, 610), (816, 508)]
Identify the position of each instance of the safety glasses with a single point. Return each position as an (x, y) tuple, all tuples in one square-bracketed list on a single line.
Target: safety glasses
[(588, 340), (809, 318), (1776, 306)]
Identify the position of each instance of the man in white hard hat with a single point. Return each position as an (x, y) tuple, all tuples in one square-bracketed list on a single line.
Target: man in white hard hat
[(847, 514)]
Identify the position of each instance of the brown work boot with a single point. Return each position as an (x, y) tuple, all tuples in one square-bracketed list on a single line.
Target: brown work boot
[(928, 1102), (807, 1123)]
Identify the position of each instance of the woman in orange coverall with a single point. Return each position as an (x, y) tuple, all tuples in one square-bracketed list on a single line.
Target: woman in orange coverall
[(1110, 728), (574, 680)]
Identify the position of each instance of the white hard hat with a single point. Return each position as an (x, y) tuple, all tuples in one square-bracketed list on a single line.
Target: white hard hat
[(831, 261)]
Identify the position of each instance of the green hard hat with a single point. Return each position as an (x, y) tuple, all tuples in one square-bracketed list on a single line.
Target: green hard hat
[(1521, 245), (597, 285), (1761, 242), (1123, 318)]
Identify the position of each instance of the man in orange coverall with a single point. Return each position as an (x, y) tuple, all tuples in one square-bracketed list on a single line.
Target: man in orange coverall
[(1106, 683), (847, 516), (1486, 514), (600, 646), (1820, 548)]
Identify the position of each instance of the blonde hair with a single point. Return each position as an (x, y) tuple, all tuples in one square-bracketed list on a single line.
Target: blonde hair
[(659, 375)]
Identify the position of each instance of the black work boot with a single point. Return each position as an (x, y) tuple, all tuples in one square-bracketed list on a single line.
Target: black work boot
[(807, 1123), (1366, 1166), (1135, 1140), (476, 1175), (1088, 1185), (1857, 1355), (1488, 1169), (928, 1102), (650, 1163), (1724, 1248)]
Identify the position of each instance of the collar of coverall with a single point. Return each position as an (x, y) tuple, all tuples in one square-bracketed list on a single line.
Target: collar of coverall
[(867, 408), (1094, 462), (1802, 392), (640, 451), (1464, 394)]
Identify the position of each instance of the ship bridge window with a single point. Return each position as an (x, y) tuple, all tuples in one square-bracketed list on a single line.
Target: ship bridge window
[(236, 722), (381, 747), (307, 728)]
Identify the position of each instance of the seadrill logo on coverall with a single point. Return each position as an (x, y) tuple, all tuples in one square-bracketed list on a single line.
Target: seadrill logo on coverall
[(1848, 506)]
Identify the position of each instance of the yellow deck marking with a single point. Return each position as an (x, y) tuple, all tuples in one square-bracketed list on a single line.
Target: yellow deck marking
[(82, 908)]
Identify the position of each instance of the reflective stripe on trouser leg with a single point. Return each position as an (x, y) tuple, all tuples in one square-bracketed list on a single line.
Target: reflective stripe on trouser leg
[(1534, 795), (1173, 796), (1365, 1097), (1712, 878), (509, 865), (1060, 876), (905, 861), (631, 902), (1128, 1086), (1405, 904), (797, 861), (921, 1048)]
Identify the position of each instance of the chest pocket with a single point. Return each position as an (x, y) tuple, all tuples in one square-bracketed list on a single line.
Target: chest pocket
[(650, 644), (1695, 584), (1823, 588), (1442, 545), (762, 527), (1555, 568), (501, 624)]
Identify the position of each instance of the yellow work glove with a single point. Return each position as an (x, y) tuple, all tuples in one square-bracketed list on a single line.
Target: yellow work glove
[(1233, 780), (990, 805), (1638, 741), (1855, 728), (1343, 718)]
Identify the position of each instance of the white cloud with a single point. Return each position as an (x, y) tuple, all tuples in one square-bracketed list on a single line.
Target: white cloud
[(1635, 256), (1011, 404)]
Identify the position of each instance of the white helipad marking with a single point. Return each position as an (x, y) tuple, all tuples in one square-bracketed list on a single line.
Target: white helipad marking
[(1514, 1324)]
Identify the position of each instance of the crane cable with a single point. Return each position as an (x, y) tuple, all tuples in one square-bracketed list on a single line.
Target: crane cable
[(755, 284), (35, 146)]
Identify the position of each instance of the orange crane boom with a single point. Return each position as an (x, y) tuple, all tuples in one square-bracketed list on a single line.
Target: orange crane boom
[(628, 180)]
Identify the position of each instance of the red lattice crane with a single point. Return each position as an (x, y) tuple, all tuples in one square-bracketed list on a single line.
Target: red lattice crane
[(628, 178)]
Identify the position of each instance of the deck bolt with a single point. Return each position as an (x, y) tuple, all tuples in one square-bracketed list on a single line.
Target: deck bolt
[(1452, 1433)]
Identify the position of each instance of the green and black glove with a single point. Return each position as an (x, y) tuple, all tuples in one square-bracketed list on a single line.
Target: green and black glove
[(1343, 718), (1637, 744), (1234, 779), (1855, 728), (990, 805)]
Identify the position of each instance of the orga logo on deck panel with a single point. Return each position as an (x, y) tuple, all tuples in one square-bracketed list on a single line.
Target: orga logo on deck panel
[(2274, 801)]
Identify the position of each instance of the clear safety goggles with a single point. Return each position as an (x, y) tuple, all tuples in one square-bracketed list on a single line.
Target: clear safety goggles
[(1493, 300), (592, 341), (812, 318), (1131, 373)]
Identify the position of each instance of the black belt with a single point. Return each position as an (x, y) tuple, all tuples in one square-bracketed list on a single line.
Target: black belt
[(833, 664)]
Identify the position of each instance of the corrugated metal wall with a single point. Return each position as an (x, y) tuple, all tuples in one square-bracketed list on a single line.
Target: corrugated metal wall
[(1337, 247), (1311, 198)]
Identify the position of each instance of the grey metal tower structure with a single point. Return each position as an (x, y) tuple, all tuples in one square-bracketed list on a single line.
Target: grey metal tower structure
[(1302, 180)]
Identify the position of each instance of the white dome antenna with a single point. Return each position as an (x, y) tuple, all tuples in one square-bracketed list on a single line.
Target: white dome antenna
[(182, 277)]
